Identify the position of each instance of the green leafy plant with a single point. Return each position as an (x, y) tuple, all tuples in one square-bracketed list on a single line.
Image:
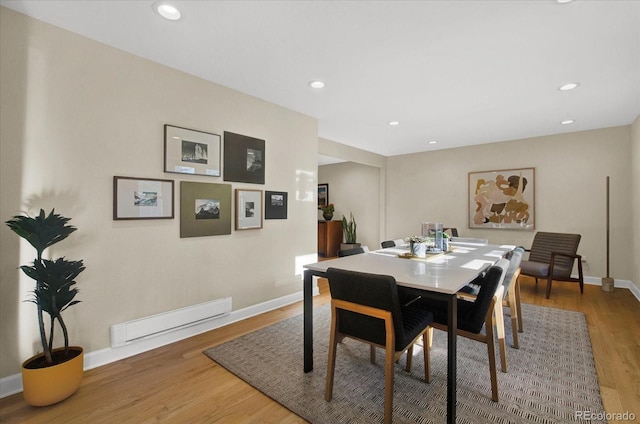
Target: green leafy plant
[(55, 279), (349, 228), (329, 209)]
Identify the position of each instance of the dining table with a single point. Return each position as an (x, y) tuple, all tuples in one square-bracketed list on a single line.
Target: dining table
[(439, 276)]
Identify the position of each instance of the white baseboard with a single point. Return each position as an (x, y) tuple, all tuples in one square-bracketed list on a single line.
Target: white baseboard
[(13, 384)]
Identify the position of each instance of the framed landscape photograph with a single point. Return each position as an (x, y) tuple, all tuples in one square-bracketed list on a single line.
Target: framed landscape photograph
[(205, 209), (244, 158), (502, 199), (275, 205), (142, 198), (323, 195), (191, 152), (248, 209)]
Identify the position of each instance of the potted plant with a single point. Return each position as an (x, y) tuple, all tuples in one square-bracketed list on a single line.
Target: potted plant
[(418, 246), (349, 229), (54, 374), (327, 211)]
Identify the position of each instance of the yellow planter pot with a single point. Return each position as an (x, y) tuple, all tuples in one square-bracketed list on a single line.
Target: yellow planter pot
[(46, 386)]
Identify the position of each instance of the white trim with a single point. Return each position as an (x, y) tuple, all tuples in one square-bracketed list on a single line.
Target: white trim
[(13, 384)]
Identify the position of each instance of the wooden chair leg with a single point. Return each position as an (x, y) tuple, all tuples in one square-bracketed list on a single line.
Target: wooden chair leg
[(373, 354), (388, 383), (548, 287), (331, 362), (427, 354), (511, 295), (409, 359), (491, 348), (499, 322), (518, 306)]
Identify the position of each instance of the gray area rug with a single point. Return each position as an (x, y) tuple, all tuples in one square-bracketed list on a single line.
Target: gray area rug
[(550, 377)]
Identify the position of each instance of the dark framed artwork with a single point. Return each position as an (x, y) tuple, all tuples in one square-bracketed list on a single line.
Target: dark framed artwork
[(142, 198), (205, 209), (248, 209), (275, 205), (191, 152), (244, 158), (502, 199), (323, 195)]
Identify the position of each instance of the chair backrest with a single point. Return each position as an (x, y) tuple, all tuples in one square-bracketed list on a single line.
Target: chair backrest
[(544, 243), (503, 264), (374, 290), (472, 318), (349, 252), (453, 232), (388, 243), (515, 258)]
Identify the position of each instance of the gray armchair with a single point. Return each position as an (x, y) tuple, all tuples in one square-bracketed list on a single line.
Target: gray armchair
[(551, 257)]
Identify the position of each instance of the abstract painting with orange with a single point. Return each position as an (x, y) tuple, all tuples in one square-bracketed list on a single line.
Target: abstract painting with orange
[(502, 199)]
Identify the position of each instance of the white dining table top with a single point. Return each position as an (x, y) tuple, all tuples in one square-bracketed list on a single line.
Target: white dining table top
[(444, 273)]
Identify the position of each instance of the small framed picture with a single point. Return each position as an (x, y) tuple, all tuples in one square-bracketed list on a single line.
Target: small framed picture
[(248, 209), (244, 158), (142, 198), (323, 195), (275, 205), (191, 152), (205, 209)]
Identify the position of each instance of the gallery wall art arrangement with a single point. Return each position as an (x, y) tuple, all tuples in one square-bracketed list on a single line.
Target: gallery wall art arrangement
[(205, 207)]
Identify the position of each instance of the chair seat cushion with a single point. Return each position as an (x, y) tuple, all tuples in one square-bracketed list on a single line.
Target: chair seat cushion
[(540, 269)]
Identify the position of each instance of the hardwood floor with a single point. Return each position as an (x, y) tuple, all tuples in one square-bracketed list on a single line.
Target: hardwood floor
[(177, 383)]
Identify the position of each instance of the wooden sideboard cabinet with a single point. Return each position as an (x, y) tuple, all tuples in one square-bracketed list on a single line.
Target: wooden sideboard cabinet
[(329, 238)]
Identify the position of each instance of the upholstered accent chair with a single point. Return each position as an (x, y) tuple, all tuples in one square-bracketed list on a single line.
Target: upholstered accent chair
[(551, 257), (366, 307)]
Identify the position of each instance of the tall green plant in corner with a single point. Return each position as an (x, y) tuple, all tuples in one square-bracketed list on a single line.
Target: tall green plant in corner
[(54, 279), (349, 228)]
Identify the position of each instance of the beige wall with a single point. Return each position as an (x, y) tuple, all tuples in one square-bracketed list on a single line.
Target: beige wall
[(75, 113), (635, 191), (355, 188), (570, 175)]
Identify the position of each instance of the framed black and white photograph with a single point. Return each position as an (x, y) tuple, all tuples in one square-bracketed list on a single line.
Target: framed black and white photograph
[(248, 209), (275, 205), (191, 152), (244, 158), (323, 195), (142, 198), (205, 209)]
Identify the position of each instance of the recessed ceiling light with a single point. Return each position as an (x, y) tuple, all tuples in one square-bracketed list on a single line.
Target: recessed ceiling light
[(168, 11), (433, 142), (567, 122), (394, 123), (564, 1), (569, 86), (316, 84)]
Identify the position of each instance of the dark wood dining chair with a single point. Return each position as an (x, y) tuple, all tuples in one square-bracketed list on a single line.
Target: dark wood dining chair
[(551, 257), (453, 232), (472, 317), (388, 243), (348, 252), (366, 307)]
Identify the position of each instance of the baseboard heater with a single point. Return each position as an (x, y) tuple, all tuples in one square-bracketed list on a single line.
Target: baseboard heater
[(126, 332)]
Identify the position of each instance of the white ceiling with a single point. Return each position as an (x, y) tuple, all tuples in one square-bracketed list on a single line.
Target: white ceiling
[(458, 72)]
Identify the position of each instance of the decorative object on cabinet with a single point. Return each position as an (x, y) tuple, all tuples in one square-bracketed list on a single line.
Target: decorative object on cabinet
[(205, 209), (142, 198), (503, 199), (55, 374), (244, 158), (327, 211), (191, 152), (323, 195), (275, 205), (329, 238), (248, 209)]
